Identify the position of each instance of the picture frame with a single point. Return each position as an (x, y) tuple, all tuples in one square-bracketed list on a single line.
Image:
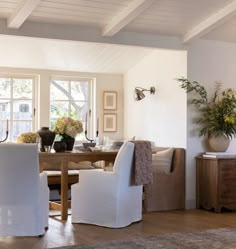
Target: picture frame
[(109, 122), (109, 100)]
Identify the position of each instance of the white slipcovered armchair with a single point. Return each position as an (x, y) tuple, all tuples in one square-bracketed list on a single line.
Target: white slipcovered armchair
[(24, 194), (108, 198)]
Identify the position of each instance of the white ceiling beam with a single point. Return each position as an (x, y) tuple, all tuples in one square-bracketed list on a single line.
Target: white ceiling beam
[(89, 34), (22, 12), (210, 23), (135, 8)]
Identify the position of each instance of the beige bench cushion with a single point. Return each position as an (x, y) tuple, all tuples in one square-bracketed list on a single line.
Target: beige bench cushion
[(161, 161)]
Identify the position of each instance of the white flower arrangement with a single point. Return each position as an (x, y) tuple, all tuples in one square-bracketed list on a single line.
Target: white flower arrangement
[(67, 126)]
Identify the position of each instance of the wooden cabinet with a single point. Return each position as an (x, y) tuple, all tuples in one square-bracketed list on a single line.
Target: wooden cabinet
[(216, 183)]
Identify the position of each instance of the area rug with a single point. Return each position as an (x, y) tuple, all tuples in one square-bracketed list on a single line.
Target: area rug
[(224, 238)]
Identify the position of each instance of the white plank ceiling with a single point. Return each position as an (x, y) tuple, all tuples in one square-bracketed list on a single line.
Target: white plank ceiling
[(164, 17), (186, 20), (26, 52)]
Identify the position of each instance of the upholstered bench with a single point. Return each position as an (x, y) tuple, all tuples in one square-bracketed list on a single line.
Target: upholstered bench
[(54, 176), (54, 182), (167, 192)]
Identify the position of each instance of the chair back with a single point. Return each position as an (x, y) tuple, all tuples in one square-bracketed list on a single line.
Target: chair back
[(19, 176), (121, 200), (124, 162)]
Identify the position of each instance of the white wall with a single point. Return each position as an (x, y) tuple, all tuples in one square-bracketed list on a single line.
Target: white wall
[(160, 118), (208, 62), (104, 82)]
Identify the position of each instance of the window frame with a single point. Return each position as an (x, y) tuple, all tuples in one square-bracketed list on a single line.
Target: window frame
[(91, 100), (35, 102)]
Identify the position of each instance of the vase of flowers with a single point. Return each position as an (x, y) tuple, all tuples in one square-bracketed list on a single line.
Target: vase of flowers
[(68, 128), (27, 137), (216, 115)]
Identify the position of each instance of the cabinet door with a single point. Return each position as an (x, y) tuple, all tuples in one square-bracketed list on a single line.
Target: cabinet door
[(227, 180), (207, 183)]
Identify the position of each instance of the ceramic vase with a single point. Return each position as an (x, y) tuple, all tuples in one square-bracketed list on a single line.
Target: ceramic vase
[(219, 143), (59, 146), (69, 142), (47, 137)]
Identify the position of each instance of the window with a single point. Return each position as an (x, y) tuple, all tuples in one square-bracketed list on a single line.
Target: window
[(72, 98), (16, 105)]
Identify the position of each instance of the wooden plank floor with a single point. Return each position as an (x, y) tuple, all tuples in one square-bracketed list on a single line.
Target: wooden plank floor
[(64, 233)]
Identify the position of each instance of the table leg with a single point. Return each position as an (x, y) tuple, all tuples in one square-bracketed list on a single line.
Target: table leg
[(64, 190), (40, 167)]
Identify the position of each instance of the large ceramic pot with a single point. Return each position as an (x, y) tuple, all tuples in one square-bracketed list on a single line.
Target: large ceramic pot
[(69, 142), (47, 137), (219, 143)]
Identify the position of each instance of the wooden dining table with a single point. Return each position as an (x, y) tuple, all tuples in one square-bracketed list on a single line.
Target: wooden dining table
[(60, 161)]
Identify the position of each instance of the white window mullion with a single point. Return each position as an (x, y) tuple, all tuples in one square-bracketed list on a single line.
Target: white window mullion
[(11, 112), (70, 100), (34, 99)]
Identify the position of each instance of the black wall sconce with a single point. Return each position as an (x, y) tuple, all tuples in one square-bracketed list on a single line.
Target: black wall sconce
[(139, 92)]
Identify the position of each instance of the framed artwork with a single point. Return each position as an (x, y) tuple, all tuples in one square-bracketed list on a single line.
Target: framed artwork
[(109, 100), (109, 122)]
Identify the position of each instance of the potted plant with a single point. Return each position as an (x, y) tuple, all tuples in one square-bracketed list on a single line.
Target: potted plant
[(217, 115)]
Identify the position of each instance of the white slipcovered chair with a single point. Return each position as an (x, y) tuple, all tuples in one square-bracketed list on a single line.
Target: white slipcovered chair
[(24, 193), (108, 198)]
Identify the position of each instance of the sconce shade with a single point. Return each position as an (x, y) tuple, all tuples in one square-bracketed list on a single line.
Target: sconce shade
[(139, 92)]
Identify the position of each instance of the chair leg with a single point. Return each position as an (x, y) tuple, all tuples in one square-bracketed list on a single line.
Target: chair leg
[(41, 235)]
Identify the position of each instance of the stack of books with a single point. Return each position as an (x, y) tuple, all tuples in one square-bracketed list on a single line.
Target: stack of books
[(219, 154)]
